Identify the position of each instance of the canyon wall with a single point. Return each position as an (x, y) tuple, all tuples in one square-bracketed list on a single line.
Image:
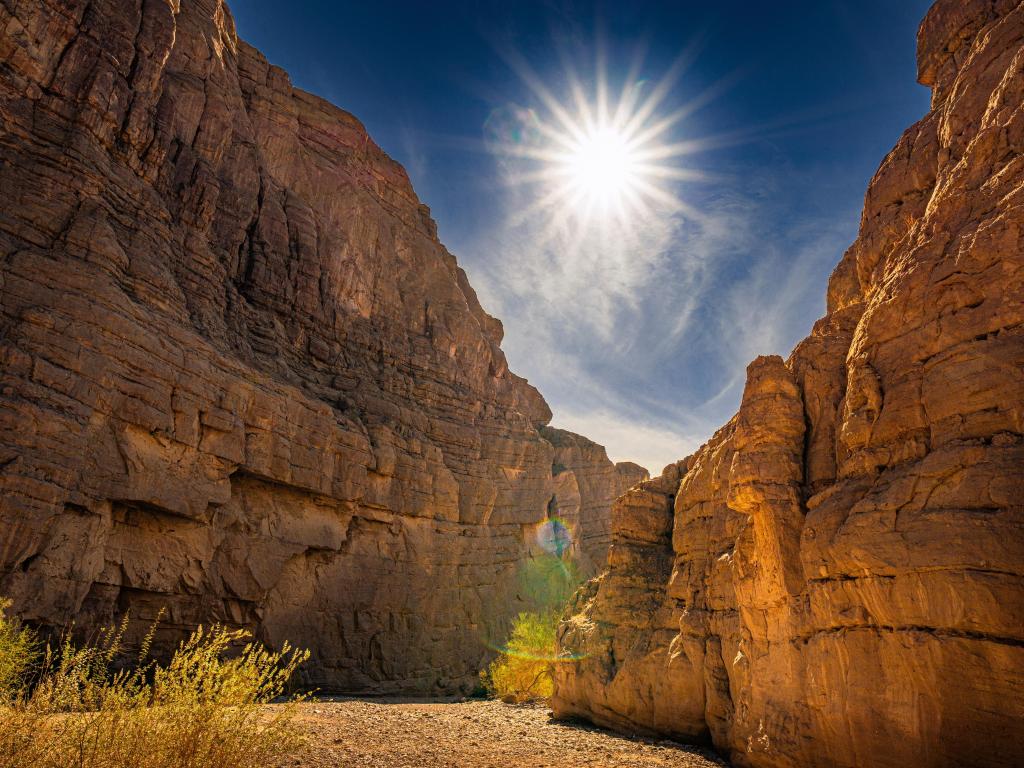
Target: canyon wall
[(586, 484), (837, 577), (240, 378)]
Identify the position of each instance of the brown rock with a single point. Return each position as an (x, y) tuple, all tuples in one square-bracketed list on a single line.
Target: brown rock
[(837, 577), (241, 378), (586, 483)]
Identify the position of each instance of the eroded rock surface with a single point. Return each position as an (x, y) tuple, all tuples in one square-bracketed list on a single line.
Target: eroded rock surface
[(240, 378), (586, 484), (837, 577)]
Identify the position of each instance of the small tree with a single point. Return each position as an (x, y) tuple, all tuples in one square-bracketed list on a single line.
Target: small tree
[(523, 670)]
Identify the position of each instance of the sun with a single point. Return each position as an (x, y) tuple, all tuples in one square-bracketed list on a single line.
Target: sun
[(601, 167), (594, 158)]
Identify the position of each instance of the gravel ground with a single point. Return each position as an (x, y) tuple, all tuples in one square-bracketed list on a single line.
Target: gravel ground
[(395, 733)]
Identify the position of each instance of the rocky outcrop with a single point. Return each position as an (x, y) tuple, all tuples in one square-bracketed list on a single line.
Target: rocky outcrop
[(586, 484), (240, 378), (837, 577)]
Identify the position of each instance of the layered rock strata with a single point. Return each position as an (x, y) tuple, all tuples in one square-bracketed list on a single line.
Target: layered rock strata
[(240, 378), (837, 577), (586, 484)]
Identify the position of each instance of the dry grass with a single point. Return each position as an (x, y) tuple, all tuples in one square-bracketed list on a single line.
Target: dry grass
[(71, 707)]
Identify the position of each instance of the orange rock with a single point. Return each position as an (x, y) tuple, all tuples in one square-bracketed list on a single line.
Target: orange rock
[(837, 577)]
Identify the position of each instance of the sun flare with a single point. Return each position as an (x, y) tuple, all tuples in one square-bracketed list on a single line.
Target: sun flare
[(601, 166), (596, 158)]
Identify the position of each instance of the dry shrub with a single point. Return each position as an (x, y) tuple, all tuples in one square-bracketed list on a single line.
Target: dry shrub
[(204, 709), (523, 669)]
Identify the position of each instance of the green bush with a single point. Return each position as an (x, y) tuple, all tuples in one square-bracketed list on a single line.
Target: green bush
[(204, 709), (523, 669)]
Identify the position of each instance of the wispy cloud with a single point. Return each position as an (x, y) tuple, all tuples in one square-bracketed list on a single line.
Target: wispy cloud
[(629, 440), (637, 321), (639, 339)]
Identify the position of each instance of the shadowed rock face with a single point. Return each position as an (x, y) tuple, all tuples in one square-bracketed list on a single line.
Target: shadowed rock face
[(240, 378), (837, 577)]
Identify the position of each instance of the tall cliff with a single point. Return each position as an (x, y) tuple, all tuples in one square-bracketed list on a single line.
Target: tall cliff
[(837, 577), (240, 378)]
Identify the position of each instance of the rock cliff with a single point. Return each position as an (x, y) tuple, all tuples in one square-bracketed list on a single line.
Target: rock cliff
[(837, 577), (240, 378), (586, 484)]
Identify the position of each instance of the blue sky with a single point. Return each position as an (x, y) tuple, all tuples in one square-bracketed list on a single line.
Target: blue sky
[(638, 336)]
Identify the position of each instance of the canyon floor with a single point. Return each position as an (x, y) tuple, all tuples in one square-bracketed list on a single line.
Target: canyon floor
[(397, 733)]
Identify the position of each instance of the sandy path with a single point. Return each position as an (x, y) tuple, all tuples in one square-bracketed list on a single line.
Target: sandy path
[(471, 734)]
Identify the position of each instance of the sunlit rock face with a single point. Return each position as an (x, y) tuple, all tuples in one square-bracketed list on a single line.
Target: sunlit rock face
[(586, 484), (837, 577), (240, 378)]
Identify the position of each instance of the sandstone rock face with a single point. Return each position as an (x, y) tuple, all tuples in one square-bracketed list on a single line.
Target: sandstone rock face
[(240, 378), (837, 577), (586, 484)]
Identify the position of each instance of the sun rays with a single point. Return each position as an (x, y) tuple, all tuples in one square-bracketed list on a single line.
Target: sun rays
[(595, 159)]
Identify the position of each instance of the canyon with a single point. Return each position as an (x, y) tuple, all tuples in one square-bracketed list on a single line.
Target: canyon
[(836, 578), (241, 380)]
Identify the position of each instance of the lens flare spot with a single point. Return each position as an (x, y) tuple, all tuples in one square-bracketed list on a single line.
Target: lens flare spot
[(554, 537), (515, 653), (511, 126)]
